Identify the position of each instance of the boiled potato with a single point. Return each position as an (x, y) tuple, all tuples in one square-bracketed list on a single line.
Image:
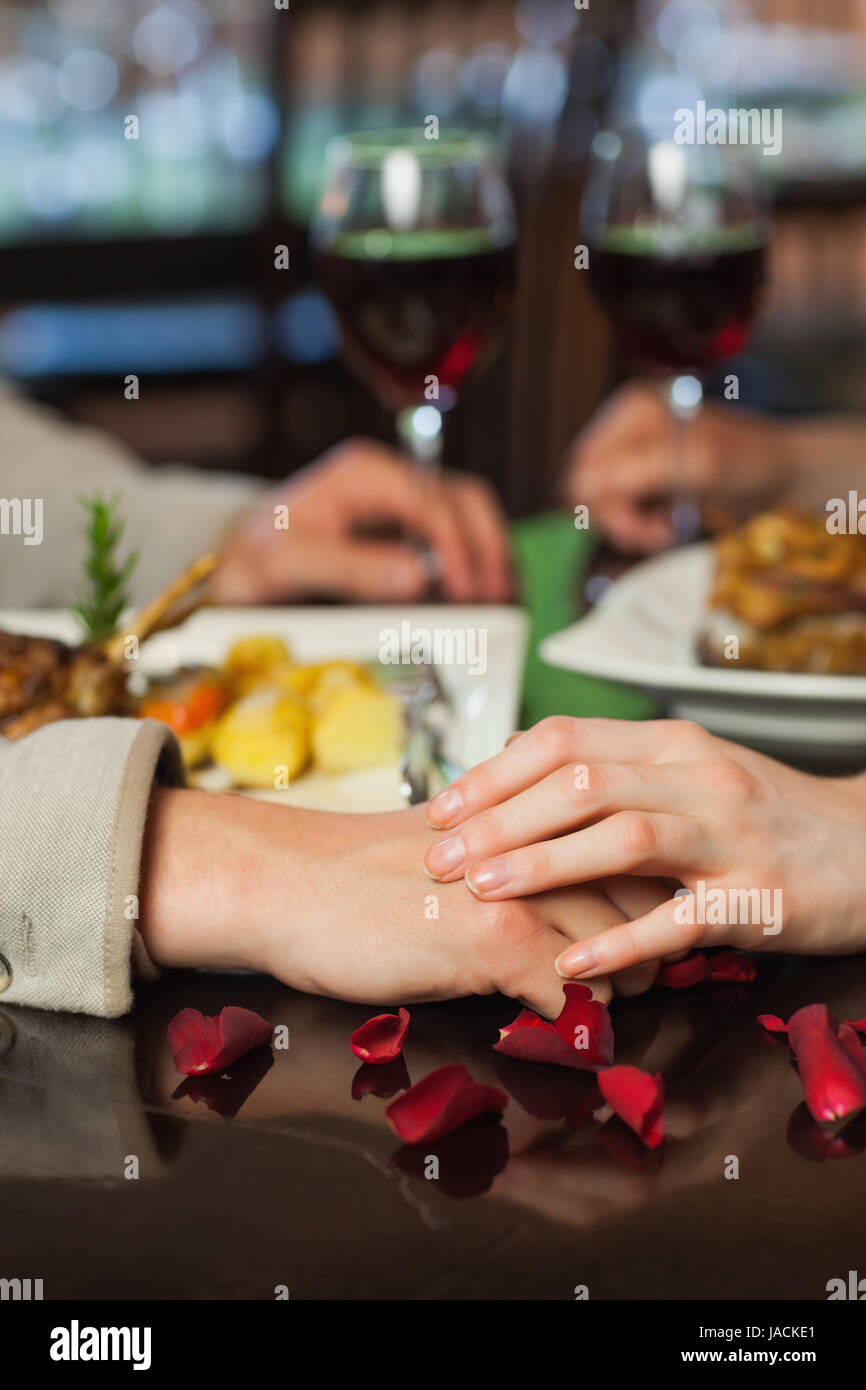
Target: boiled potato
[(298, 680), (254, 661), (359, 727), (334, 677), (263, 740), (316, 682)]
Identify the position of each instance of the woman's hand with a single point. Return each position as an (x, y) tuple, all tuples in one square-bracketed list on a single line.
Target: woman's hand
[(340, 905), (621, 465), (774, 857), (358, 486)]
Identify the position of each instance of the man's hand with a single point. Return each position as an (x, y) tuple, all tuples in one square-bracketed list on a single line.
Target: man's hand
[(358, 486), (339, 905)]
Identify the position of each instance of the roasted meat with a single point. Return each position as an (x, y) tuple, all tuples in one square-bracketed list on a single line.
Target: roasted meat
[(792, 594), (42, 680)]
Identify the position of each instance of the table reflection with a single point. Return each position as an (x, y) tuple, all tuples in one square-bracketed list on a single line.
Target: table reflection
[(80, 1096)]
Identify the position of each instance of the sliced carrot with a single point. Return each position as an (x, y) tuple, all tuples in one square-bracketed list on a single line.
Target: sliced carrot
[(187, 710)]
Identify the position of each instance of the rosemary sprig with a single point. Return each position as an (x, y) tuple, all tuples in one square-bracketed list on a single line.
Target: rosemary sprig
[(103, 595)]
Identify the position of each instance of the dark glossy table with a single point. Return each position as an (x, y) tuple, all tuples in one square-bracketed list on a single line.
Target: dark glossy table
[(280, 1177)]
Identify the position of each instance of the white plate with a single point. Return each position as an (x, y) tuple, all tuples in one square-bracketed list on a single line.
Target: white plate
[(643, 634), (486, 704)]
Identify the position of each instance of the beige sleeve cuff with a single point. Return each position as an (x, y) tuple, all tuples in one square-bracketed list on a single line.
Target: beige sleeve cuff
[(73, 805)]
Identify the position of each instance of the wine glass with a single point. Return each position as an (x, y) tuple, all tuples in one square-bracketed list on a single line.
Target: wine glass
[(676, 236), (415, 246)]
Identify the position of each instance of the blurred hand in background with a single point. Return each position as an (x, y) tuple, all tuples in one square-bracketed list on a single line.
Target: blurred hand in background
[(447, 527), (621, 465)]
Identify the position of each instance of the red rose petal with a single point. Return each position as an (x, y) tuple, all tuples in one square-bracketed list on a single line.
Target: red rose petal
[(684, 972), (381, 1039), (735, 966), (439, 1103), (858, 1024), (532, 1039), (201, 1044), (831, 1063), (584, 1026), (581, 1037), (849, 1040), (772, 1023), (638, 1099)]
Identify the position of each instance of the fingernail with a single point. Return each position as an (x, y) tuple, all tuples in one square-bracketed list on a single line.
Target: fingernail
[(484, 878), (445, 807), (576, 961), (445, 856)]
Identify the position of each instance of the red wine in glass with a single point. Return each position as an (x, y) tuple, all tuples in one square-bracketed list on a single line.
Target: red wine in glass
[(419, 305), (684, 309), (415, 246), (677, 303)]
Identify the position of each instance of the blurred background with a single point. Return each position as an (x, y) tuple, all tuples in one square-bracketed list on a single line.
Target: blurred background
[(155, 255)]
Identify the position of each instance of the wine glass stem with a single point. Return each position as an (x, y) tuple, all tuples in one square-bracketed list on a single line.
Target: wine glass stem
[(685, 398), (419, 429)]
